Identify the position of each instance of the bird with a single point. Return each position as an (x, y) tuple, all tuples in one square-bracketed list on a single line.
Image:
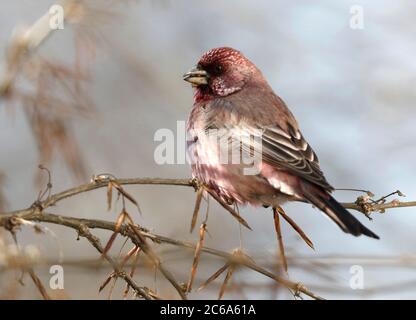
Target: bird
[(232, 98)]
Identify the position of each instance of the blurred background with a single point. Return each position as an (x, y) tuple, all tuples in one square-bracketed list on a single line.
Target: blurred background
[(90, 98)]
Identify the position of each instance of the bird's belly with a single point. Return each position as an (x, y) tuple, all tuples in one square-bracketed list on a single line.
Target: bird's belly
[(229, 179)]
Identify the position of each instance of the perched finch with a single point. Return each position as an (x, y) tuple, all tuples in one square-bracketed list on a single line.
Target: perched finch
[(233, 98)]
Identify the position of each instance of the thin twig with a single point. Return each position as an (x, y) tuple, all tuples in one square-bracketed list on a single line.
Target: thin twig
[(37, 213), (279, 238), (296, 228), (84, 231), (198, 200), (75, 223), (39, 284), (228, 208)]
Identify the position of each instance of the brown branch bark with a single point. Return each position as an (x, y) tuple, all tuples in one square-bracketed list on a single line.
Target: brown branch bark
[(379, 207), (84, 231), (85, 224), (55, 198), (37, 213)]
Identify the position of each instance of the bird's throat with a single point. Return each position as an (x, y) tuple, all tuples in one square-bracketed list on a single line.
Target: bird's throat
[(203, 94)]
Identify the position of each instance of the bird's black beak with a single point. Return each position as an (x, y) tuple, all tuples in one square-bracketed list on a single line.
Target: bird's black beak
[(197, 77)]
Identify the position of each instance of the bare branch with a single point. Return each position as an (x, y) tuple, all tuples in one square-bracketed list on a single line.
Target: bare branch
[(77, 223), (138, 234)]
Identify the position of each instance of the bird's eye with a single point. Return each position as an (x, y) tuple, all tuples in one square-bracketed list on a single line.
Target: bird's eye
[(218, 69)]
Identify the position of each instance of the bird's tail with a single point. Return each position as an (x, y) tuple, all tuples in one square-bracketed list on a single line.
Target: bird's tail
[(334, 210)]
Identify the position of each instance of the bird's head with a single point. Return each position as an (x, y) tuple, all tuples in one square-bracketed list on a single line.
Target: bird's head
[(220, 72)]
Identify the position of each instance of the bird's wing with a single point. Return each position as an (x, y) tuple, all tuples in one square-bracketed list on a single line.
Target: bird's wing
[(290, 151), (280, 144)]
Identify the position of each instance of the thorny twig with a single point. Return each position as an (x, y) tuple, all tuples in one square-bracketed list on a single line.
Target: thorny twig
[(38, 284), (53, 199), (137, 234), (84, 231), (367, 205), (279, 237), (75, 223)]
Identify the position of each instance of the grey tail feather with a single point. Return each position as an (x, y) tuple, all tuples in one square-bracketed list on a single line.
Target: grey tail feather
[(341, 216)]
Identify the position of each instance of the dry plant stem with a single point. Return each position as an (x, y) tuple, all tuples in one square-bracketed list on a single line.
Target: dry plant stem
[(35, 213), (296, 227), (38, 284), (53, 199), (226, 280), (32, 38), (279, 238), (197, 256), (381, 206), (214, 276), (297, 261), (228, 208), (138, 239), (84, 231), (199, 194), (133, 268), (29, 269), (77, 223)]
